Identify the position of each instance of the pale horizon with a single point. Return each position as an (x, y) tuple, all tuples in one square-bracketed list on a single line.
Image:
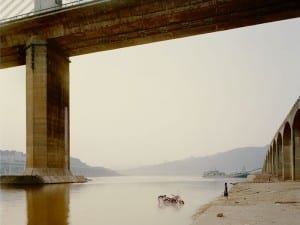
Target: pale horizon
[(171, 100)]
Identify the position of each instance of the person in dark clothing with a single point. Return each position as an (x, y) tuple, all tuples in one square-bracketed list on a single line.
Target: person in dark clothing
[(226, 191)]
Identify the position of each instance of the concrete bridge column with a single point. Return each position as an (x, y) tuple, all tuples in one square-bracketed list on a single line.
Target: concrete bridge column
[(275, 159), (271, 160), (264, 166), (268, 163), (296, 146), (47, 112), (279, 149), (287, 153)]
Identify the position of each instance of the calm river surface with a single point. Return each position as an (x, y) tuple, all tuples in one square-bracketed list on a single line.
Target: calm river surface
[(126, 200)]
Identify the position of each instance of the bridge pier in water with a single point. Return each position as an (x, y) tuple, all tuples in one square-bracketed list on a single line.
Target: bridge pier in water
[(47, 103), (47, 113), (47, 116)]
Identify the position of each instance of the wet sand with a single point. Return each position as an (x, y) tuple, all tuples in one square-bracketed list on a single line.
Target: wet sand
[(276, 203)]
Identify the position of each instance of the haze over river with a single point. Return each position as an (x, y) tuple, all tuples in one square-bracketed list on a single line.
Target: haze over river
[(125, 200)]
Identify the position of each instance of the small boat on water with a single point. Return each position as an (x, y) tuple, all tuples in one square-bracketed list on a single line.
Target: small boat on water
[(214, 173), (239, 174)]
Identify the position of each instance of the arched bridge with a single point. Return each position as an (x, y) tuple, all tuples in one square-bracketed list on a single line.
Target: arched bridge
[(44, 40), (283, 156)]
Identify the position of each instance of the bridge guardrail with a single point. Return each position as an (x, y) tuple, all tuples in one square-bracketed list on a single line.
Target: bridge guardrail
[(52, 9)]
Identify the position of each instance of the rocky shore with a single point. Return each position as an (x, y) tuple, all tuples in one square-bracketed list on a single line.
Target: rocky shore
[(250, 203)]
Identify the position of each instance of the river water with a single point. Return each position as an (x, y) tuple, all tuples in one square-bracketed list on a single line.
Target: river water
[(125, 200)]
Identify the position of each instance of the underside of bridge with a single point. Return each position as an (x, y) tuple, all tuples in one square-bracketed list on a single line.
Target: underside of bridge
[(104, 25), (45, 41)]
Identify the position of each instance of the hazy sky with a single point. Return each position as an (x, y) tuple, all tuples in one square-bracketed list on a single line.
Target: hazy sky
[(171, 100)]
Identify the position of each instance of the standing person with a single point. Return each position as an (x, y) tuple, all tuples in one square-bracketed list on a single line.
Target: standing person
[(226, 191)]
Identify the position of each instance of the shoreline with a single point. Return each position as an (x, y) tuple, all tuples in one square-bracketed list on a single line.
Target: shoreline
[(251, 203)]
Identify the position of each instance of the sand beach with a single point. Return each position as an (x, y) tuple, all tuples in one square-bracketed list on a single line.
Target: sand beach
[(250, 203)]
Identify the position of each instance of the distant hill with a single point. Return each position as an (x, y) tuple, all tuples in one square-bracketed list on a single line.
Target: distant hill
[(234, 160), (13, 163), (80, 168)]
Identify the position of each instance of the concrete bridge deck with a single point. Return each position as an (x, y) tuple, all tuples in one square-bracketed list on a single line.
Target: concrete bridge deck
[(104, 25)]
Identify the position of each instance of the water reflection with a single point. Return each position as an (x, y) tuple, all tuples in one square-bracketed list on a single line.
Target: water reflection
[(163, 205), (174, 201), (107, 201), (48, 204)]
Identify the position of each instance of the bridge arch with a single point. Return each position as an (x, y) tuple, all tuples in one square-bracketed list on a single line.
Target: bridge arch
[(279, 155), (287, 152), (296, 146)]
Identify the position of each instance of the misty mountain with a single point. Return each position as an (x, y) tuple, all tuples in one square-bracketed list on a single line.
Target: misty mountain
[(13, 163), (80, 168), (230, 161)]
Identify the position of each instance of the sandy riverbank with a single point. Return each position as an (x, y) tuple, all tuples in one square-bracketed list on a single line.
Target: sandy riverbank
[(275, 203)]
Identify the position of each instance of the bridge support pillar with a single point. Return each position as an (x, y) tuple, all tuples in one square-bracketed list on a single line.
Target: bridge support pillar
[(287, 153), (47, 113), (296, 146)]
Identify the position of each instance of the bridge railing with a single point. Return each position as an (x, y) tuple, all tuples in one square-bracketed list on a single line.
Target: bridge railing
[(66, 4)]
